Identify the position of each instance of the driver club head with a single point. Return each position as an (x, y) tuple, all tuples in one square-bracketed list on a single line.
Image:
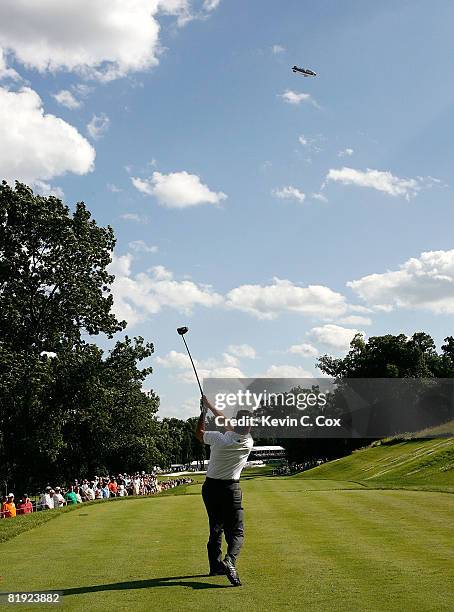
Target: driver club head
[(182, 330)]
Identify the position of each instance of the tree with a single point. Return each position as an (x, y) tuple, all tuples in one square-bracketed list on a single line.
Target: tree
[(391, 356), (65, 407), (54, 283), (387, 356)]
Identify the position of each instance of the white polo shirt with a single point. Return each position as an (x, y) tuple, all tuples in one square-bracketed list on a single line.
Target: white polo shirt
[(47, 500), (228, 454)]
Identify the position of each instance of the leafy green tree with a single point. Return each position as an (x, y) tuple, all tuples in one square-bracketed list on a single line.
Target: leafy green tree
[(391, 356), (108, 423), (54, 283), (387, 356), (64, 406)]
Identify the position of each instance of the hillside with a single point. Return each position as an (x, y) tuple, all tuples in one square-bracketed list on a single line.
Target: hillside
[(423, 463)]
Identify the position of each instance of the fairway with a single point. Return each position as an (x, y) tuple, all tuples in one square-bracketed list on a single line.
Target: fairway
[(310, 544)]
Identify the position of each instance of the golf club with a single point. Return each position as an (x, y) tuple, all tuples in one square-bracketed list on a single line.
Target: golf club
[(182, 331)]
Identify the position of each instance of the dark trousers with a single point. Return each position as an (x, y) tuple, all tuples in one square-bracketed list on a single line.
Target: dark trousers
[(223, 501)]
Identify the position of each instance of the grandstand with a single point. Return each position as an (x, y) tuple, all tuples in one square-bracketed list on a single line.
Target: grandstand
[(267, 452)]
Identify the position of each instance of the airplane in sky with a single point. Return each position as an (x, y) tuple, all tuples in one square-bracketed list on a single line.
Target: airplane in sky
[(304, 71)]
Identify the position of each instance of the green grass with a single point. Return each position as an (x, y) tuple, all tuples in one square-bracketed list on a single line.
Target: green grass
[(11, 528), (424, 464), (311, 544), (328, 538)]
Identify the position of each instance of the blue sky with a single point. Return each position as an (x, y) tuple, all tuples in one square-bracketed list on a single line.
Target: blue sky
[(272, 214)]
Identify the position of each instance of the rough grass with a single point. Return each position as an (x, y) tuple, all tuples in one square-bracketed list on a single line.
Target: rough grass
[(424, 464)]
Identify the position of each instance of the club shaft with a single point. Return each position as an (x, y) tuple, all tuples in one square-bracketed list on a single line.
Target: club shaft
[(193, 366)]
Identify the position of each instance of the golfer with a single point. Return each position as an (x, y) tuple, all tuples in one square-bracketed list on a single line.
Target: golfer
[(221, 491)]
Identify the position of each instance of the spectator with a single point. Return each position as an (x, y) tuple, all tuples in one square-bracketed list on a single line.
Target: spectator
[(24, 506), (47, 499), (136, 485), (122, 491), (99, 488), (105, 491), (70, 496), (59, 500), (89, 493), (8, 507), (113, 487), (4, 500)]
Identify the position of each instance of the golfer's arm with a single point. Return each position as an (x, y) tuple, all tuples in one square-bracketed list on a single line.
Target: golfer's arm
[(200, 430), (216, 413)]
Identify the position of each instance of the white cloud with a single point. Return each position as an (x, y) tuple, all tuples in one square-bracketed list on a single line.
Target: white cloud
[(182, 10), (82, 89), (113, 188), (174, 359), (211, 5), (121, 265), (133, 217), (178, 189), (179, 8), (138, 296), (66, 98), (185, 410), (311, 144), (289, 193), (333, 336), (376, 179), (209, 368), (230, 360), (267, 302), (242, 350), (142, 247), (425, 282), (345, 152), (287, 371), (216, 372), (46, 189), (98, 126), (102, 39), (276, 49), (105, 39), (319, 196), (305, 349), (37, 146), (293, 97)]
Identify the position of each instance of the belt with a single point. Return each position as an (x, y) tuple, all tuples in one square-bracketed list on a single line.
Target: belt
[(221, 481)]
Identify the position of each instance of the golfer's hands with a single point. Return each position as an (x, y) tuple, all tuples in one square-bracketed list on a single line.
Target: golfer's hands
[(203, 410), (204, 404)]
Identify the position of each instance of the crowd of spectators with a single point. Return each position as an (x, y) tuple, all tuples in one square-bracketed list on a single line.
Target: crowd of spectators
[(294, 468), (77, 492)]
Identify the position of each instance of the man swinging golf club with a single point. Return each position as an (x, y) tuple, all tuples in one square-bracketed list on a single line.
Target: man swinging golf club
[(221, 491)]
